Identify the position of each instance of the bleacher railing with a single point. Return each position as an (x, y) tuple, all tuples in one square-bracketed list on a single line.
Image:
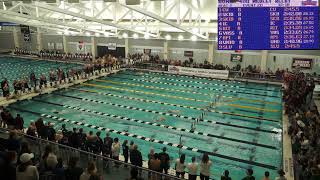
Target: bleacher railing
[(108, 167)]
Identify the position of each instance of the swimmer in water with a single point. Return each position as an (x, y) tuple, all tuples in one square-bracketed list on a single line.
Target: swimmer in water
[(174, 111), (161, 119)]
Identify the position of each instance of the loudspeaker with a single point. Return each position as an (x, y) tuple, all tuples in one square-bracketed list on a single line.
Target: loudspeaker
[(132, 2), (274, 58)]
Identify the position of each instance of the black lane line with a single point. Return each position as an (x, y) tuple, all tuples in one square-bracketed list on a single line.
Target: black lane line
[(180, 116), (210, 79), (200, 133), (215, 89), (256, 120), (151, 140)]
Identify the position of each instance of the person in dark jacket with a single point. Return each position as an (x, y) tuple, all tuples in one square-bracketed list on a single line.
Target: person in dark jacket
[(19, 122), (136, 157), (249, 175), (51, 132), (165, 160), (73, 172), (107, 145), (13, 144), (125, 151), (99, 143), (74, 139)]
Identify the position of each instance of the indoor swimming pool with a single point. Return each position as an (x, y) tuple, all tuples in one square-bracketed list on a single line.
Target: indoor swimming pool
[(238, 124)]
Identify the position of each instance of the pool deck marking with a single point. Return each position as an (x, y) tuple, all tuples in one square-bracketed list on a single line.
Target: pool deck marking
[(159, 125), (168, 114), (190, 86), (192, 92), (164, 95), (176, 105), (143, 92), (205, 78), (151, 139)]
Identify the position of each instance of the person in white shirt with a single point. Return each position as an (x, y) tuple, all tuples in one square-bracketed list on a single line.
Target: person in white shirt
[(180, 166), (116, 149), (193, 169), (26, 171), (205, 166), (281, 175)]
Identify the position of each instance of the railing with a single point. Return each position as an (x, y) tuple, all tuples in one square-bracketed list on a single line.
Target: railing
[(106, 166)]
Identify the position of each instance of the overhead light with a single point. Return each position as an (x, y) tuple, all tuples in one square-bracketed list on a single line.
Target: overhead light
[(146, 36), (180, 37), (135, 36), (193, 38), (59, 32), (87, 33), (106, 34), (125, 35), (168, 37), (97, 34)]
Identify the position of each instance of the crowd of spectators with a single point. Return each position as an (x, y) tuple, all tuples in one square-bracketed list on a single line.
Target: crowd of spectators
[(91, 142), (59, 75), (55, 54), (304, 124)]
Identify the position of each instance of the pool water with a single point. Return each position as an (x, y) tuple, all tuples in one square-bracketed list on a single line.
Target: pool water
[(241, 125)]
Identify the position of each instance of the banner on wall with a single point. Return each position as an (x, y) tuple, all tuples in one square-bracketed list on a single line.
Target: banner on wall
[(59, 46), (50, 46), (302, 63), (188, 53), (80, 46), (112, 46), (199, 72), (236, 57)]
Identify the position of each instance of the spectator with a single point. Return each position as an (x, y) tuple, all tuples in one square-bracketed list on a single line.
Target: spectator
[(116, 149), (131, 146), (31, 131), (82, 136), (135, 156), (11, 123), (8, 165), (64, 130), (51, 132), (13, 143), (19, 122), (180, 166), (99, 143), (165, 160), (205, 166), (73, 172), (150, 155), (26, 171), (266, 175), (225, 175), (107, 146), (91, 173), (91, 142), (2, 124), (134, 174), (193, 169), (25, 148), (125, 150), (155, 163), (249, 175), (74, 139), (281, 175)]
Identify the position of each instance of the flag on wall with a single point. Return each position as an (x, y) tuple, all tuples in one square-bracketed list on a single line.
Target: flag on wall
[(80, 46)]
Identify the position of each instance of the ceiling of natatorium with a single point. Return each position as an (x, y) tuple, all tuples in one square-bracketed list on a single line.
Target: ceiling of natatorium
[(159, 19)]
